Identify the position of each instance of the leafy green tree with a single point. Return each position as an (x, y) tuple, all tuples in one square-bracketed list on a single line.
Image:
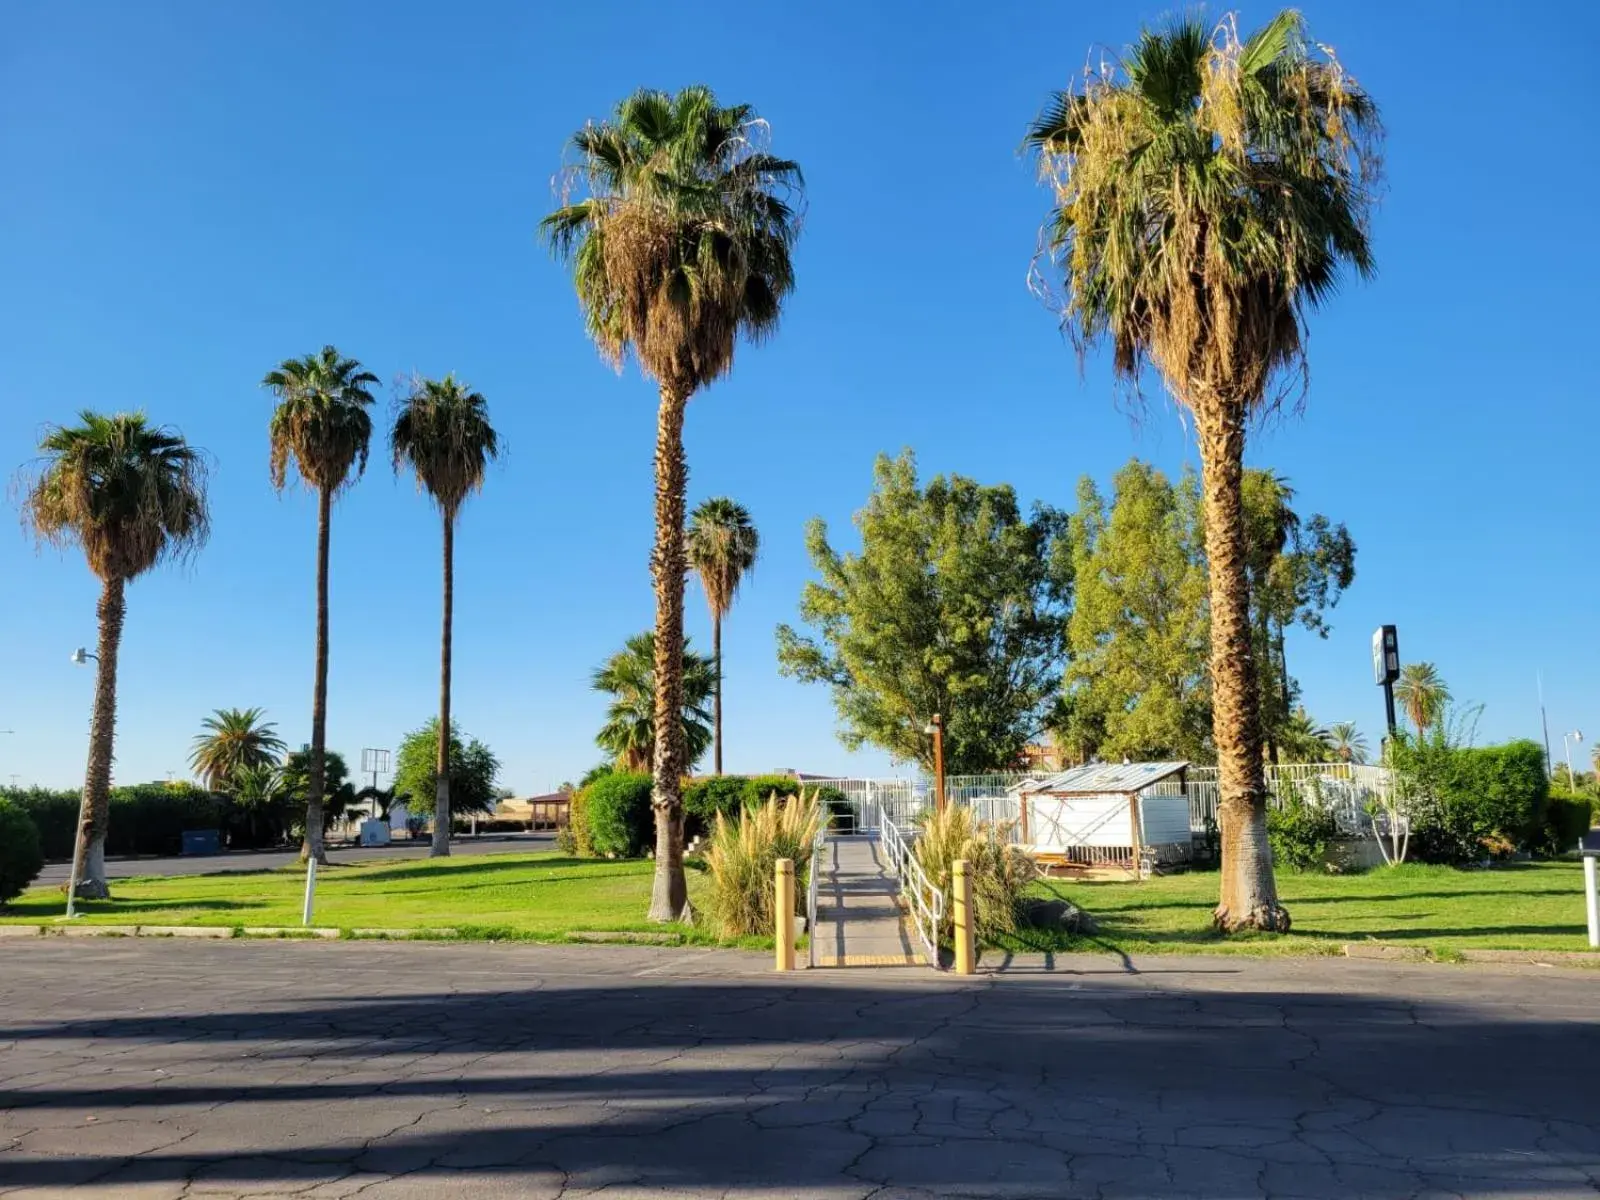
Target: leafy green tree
[(1423, 694), (1136, 685), (955, 605), (1347, 743), (321, 422), (1210, 189), (473, 770), (234, 740), (723, 545), (258, 792), (443, 436), (680, 243), (1297, 570), (129, 494), (629, 734), (338, 793)]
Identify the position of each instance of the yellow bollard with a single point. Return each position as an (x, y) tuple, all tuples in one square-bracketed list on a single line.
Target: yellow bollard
[(783, 915), (966, 963)]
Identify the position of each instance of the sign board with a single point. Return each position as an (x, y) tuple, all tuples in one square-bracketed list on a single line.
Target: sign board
[(1385, 655)]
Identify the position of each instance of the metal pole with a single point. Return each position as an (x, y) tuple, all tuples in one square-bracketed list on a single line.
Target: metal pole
[(1572, 784), (966, 961), (1388, 705), (783, 915), (311, 889), (1591, 901), (78, 838), (938, 763)]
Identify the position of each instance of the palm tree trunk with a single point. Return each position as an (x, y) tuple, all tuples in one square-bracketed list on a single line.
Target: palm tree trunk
[(312, 845), (94, 815), (441, 787), (1249, 896), (716, 701), (669, 897)]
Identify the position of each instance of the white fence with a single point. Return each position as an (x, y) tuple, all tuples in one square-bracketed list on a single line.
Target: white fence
[(1349, 790)]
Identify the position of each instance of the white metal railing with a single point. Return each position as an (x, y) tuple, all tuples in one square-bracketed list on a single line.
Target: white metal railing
[(1351, 790), (811, 893), (924, 902)]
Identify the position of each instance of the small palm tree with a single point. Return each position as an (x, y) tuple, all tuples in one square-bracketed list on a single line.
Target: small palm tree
[(1303, 740), (1347, 743), (234, 739), (442, 434), (723, 545), (129, 494), (323, 425), (1423, 694), (258, 791), (679, 243), (1209, 192), (628, 676)]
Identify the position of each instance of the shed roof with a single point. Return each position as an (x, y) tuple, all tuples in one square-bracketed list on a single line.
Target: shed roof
[(1100, 778)]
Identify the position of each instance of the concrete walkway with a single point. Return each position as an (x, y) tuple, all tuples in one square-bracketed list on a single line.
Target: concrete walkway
[(860, 922)]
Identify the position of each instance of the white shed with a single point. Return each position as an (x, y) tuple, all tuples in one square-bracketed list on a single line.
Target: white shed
[(1112, 814)]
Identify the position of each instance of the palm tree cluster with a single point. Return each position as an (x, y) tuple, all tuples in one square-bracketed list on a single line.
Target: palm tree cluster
[(1210, 189)]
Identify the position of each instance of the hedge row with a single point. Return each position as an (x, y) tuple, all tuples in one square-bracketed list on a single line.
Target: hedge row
[(612, 815), (147, 818)]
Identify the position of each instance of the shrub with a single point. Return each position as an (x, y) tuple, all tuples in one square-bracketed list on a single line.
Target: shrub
[(1567, 817), (1465, 804), (20, 854), (999, 872), (758, 788), (150, 818), (618, 815), (573, 837), (705, 799), (743, 860), (1299, 831), (54, 813)]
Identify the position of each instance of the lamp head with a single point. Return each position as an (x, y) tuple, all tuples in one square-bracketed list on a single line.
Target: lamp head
[(80, 656)]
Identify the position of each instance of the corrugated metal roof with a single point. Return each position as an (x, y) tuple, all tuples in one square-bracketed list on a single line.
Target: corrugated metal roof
[(1097, 778)]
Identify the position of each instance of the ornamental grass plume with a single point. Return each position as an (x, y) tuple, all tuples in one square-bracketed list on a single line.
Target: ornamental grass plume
[(999, 872), (744, 855)]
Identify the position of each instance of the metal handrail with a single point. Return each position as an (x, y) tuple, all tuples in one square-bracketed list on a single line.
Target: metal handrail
[(925, 902), (811, 895)]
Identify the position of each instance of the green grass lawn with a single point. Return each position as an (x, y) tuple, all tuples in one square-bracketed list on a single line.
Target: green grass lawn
[(541, 896), (1516, 906)]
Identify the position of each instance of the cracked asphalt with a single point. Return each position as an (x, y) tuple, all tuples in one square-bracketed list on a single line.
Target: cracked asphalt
[(144, 1069)]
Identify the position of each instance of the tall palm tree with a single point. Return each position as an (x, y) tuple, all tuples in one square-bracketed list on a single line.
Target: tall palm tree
[(723, 545), (442, 433), (680, 240), (129, 494), (629, 734), (234, 740), (1346, 742), (323, 425), (1209, 192), (1423, 694), (1303, 740)]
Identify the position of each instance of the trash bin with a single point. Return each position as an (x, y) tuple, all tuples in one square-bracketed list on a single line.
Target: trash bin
[(202, 841)]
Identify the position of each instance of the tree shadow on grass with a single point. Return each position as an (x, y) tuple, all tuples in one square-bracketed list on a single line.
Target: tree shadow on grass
[(788, 1085)]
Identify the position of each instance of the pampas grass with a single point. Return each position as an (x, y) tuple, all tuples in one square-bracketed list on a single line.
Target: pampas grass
[(743, 859)]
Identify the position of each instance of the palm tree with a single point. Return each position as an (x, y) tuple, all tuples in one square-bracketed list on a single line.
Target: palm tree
[(1303, 740), (234, 739), (629, 734), (1346, 742), (129, 494), (723, 545), (1423, 694), (442, 433), (1209, 191), (322, 423), (679, 242)]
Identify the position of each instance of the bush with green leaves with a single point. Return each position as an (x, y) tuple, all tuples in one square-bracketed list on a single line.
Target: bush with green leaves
[(616, 810), (21, 857), (705, 798), (1467, 803), (1299, 830), (1566, 817), (54, 813)]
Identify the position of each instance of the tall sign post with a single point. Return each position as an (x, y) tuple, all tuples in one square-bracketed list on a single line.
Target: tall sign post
[(1386, 667)]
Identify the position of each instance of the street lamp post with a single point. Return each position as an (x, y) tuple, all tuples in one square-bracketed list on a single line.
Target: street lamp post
[(81, 657), (936, 728), (1577, 736)]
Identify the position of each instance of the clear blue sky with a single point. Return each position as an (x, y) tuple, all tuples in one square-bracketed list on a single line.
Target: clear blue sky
[(193, 191)]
